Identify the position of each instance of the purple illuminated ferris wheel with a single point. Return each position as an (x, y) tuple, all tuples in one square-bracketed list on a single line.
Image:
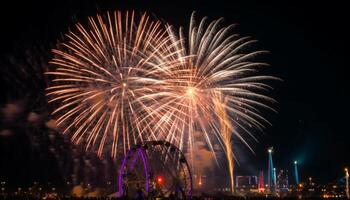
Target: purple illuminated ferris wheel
[(155, 169)]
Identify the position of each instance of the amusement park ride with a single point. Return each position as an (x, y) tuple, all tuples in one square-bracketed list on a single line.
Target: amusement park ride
[(155, 168)]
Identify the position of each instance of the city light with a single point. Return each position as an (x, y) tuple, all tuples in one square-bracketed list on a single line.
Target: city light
[(159, 180), (270, 150), (200, 181)]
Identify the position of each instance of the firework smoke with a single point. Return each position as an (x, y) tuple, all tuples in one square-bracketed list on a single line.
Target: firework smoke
[(29, 136)]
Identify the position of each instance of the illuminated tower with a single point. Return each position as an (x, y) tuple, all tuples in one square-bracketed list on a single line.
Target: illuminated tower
[(296, 174), (274, 179), (270, 175), (347, 182)]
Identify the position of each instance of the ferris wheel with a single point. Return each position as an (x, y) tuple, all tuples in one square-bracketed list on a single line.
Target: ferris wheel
[(155, 169)]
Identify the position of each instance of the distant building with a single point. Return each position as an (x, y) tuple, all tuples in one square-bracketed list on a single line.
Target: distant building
[(246, 181), (247, 184)]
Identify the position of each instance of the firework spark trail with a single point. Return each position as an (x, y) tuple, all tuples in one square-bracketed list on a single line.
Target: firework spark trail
[(226, 131), (101, 71), (214, 71)]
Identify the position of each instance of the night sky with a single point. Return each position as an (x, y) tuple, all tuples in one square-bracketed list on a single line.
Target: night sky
[(308, 51)]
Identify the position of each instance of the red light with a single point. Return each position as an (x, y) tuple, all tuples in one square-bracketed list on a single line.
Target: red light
[(159, 179)]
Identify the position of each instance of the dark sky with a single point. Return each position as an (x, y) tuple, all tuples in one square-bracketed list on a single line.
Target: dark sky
[(308, 51)]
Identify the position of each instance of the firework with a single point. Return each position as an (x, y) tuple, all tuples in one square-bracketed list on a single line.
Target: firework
[(214, 91), (100, 72), (122, 80)]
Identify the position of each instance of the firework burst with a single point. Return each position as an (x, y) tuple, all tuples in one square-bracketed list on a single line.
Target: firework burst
[(215, 90), (100, 72)]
